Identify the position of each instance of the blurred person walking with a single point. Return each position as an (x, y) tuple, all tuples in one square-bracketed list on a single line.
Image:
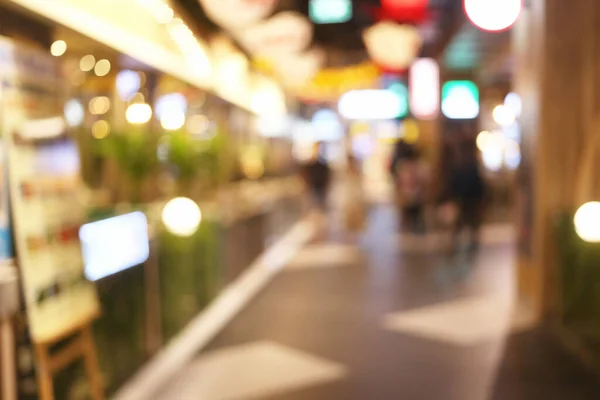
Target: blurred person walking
[(409, 174), (317, 175), (466, 189)]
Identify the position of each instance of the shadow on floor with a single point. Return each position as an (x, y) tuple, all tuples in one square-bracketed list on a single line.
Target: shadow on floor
[(535, 366)]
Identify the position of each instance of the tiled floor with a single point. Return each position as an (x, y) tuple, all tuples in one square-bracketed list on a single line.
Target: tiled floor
[(252, 370), (376, 322)]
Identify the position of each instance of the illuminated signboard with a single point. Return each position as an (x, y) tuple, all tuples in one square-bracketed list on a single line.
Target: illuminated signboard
[(400, 90), (330, 11), (115, 244), (372, 105), (460, 100), (424, 88)]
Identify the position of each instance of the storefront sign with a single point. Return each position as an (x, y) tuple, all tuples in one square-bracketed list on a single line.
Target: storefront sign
[(113, 245), (424, 88), (46, 207), (330, 11), (331, 83), (371, 104), (460, 100)]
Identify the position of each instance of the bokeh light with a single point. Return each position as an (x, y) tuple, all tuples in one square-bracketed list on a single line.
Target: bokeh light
[(370, 104), (138, 113), (128, 83), (483, 139), (87, 63), (503, 116), (512, 154), (172, 120), (58, 48), (460, 100), (493, 15), (100, 129), (424, 88), (513, 102), (74, 112), (587, 222), (99, 105), (102, 68), (197, 124), (181, 217)]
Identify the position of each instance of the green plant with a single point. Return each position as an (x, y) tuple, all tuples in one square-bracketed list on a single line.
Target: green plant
[(135, 154), (579, 279), (195, 159)]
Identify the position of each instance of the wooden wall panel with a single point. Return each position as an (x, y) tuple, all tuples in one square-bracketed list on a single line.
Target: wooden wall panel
[(558, 76)]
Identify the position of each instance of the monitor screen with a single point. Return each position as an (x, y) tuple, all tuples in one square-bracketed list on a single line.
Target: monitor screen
[(115, 244)]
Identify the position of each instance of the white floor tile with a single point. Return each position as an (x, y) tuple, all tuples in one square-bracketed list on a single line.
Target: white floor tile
[(251, 371), (461, 323), (325, 256)]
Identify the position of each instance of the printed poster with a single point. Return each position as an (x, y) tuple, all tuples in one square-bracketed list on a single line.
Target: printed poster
[(43, 169)]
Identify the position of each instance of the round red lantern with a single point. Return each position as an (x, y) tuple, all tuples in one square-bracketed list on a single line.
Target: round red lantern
[(404, 10)]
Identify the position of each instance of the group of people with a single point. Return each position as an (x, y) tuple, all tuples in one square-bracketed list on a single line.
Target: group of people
[(350, 203), (452, 198)]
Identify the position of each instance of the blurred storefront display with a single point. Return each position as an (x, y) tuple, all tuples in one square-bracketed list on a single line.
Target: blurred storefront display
[(101, 138)]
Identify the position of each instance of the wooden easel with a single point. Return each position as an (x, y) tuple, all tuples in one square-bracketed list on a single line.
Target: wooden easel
[(81, 345)]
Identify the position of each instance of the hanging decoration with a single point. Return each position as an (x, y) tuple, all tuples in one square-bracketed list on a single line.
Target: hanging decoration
[(233, 15), (413, 11), (392, 46), (284, 34), (296, 70), (493, 15)]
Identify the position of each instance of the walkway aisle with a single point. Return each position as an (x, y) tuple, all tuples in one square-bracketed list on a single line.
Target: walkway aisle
[(390, 321)]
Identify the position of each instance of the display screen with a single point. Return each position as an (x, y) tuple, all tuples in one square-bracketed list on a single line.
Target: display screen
[(112, 245)]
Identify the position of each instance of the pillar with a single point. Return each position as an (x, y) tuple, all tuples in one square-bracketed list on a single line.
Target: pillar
[(557, 48)]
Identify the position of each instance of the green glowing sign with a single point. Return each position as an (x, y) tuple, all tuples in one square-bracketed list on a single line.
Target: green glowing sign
[(460, 100), (330, 11), (400, 90)]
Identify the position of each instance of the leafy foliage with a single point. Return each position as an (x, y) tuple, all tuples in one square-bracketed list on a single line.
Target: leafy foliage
[(134, 152)]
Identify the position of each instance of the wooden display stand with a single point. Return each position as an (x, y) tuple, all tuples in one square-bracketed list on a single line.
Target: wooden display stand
[(80, 345)]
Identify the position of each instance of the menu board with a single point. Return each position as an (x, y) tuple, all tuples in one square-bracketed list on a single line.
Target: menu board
[(44, 180)]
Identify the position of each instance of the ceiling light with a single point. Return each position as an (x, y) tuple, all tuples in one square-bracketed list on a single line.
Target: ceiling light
[(138, 113), (87, 63), (102, 67), (99, 105), (493, 15), (100, 129), (58, 48)]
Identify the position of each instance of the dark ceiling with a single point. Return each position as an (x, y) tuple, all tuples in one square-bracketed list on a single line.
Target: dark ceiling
[(344, 41)]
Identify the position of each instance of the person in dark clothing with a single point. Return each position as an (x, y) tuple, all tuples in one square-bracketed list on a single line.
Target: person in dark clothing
[(409, 177), (318, 176), (467, 190)]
